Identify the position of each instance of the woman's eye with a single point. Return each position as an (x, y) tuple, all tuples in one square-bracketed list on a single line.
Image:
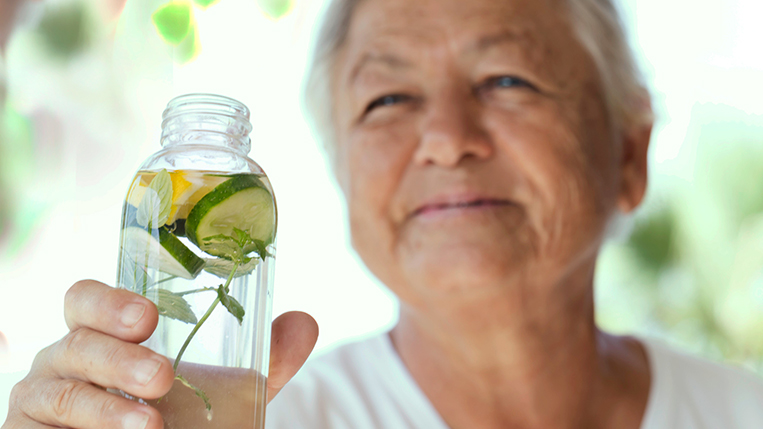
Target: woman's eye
[(508, 82), (387, 100)]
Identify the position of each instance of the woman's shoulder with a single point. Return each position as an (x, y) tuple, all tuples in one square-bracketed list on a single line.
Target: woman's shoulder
[(692, 392), (338, 368), (357, 384)]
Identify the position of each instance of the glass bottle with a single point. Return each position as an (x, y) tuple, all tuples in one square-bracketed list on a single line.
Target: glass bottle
[(197, 239)]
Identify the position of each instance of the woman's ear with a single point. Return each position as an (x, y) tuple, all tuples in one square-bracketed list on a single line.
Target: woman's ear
[(633, 166)]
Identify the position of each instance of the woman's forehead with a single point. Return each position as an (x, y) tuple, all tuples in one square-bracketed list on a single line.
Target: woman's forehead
[(464, 23), (398, 34)]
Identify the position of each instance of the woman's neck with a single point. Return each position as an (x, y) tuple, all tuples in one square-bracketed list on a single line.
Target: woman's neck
[(530, 358)]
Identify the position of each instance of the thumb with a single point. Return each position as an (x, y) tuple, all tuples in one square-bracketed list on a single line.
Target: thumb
[(293, 337)]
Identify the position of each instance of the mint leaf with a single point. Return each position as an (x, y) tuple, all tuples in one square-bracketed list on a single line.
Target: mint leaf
[(175, 307), (231, 304), (162, 184), (223, 267), (223, 246), (249, 244), (235, 248), (156, 205), (172, 21), (149, 209), (262, 249), (241, 237), (200, 393), (132, 276)]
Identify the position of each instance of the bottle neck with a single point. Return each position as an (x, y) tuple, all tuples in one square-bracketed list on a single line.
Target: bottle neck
[(206, 119)]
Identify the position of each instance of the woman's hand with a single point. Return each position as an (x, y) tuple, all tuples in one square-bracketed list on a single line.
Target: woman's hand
[(66, 385)]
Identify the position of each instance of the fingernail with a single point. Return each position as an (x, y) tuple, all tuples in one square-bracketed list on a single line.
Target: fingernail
[(132, 313), (146, 370), (135, 420)]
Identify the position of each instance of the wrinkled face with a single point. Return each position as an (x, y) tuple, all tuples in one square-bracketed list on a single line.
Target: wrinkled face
[(473, 144)]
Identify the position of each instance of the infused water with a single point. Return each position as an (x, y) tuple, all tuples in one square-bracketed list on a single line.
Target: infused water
[(200, 245)]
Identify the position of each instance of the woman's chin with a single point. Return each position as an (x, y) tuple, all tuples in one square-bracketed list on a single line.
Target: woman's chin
[(463, 267)]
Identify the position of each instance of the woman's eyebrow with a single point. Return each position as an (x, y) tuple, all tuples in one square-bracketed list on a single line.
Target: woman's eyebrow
[(389, 60)]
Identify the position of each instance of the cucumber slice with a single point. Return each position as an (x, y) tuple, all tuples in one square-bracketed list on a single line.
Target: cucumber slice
[(242, 202), (162, 251)]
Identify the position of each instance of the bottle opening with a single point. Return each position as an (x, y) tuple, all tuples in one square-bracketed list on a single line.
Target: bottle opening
[(206, 119)]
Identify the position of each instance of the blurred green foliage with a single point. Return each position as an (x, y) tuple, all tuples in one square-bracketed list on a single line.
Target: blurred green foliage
[(17, 161), (692, 269), (205, 3), (189, 48), (175, 24), (173, 21), (651, 240), (276, 9), (63, 28)]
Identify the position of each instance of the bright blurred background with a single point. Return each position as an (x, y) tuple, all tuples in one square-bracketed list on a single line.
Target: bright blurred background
[(83, 84)]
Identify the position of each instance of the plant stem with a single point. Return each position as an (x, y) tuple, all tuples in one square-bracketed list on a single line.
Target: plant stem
[(189, 292), (203, 318), (195, 329), (166, 280), (145, 278)]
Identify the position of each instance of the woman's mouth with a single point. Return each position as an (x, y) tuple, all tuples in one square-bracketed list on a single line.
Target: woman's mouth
[(459, 207)]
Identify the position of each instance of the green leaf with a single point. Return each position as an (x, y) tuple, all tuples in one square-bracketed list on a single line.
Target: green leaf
[(162, 184), (132, 276), (249, 244), (235, 248), (262, 249), (276, 9), (200, 393), (225, 246), (173, 21), (175, 307), (242, 238), (149, 209), (156, 205), (231, 304), (223, 267)]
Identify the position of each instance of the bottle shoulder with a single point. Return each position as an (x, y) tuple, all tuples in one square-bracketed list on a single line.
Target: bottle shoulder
[(202, 157)]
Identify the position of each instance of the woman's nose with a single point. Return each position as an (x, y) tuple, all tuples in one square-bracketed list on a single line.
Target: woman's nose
[(451, 132)]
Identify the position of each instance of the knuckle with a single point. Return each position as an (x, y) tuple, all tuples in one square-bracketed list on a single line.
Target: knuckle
[(72, 342), (42, 357), (75, 291), (18, 392), (65, 396), (114, 355), (13, 422), (107, 408)]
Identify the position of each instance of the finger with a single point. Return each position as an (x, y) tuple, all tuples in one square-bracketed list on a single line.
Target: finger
[(21, 421), (293, 337), (76, 404), (94, 357), (116, 312)]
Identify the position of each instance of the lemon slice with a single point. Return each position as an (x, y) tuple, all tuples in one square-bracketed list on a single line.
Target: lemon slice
[(188, 188)]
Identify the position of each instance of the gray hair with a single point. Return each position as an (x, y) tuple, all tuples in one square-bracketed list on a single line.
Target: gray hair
[(596, 23)]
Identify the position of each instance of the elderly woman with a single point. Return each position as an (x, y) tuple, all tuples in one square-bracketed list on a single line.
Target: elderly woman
[(483, 147)]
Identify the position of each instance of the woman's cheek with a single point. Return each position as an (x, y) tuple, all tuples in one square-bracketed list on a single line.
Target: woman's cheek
[(379, 156)]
